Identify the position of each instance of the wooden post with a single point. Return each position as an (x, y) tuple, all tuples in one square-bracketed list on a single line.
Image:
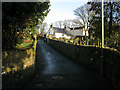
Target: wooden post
[(94, 41), (80, 41), (73, 31), (85, 37), (87, 40), (98, 42), (47, 40)]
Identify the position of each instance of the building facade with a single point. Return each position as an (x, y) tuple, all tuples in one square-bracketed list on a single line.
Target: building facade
[(55, 32)]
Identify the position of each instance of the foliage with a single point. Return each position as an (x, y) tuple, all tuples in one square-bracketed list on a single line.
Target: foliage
[(59, 24), (17, 16), (111, 22), (96, 19), (43, 27), (95, 25), (25, 45)]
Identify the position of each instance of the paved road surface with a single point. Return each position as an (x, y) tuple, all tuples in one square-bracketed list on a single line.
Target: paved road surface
[(56, 71)]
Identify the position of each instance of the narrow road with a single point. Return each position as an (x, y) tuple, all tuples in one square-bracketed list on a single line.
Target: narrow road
[(56, 71)]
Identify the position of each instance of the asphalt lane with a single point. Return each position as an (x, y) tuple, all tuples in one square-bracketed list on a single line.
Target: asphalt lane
[(56, 71)]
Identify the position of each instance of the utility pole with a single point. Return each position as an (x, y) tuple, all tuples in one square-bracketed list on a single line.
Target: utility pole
[(102, 24), (101, 61)]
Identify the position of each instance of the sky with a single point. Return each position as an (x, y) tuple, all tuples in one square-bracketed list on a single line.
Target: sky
[(62, 10)]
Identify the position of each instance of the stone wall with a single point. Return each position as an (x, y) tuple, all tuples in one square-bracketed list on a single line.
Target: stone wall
[(20, 67), (105, 61)]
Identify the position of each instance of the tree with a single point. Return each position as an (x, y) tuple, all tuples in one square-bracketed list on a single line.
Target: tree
[(65, 23), (69, 23), (16, 16), (111, 15), (84, 15), (111, 21), (96, 21), (43, 27), (58, 24)]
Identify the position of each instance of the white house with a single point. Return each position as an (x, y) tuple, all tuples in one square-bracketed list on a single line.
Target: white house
[(58, 33)]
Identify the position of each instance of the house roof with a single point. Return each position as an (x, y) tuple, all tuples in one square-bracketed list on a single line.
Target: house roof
[(77, 28), (60, 30)]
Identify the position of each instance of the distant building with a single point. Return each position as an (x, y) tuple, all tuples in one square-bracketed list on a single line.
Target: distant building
[(55, 32), (79, 32)]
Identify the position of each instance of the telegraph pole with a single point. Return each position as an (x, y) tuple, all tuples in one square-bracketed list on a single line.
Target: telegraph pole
[(102, 24), (101, 61)]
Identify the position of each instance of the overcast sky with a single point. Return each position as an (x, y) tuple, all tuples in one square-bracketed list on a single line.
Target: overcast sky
[(62, 10)]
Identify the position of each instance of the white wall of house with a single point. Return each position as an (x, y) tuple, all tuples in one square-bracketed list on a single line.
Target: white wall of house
[(57, 35), (52, 31), (67, 37)]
